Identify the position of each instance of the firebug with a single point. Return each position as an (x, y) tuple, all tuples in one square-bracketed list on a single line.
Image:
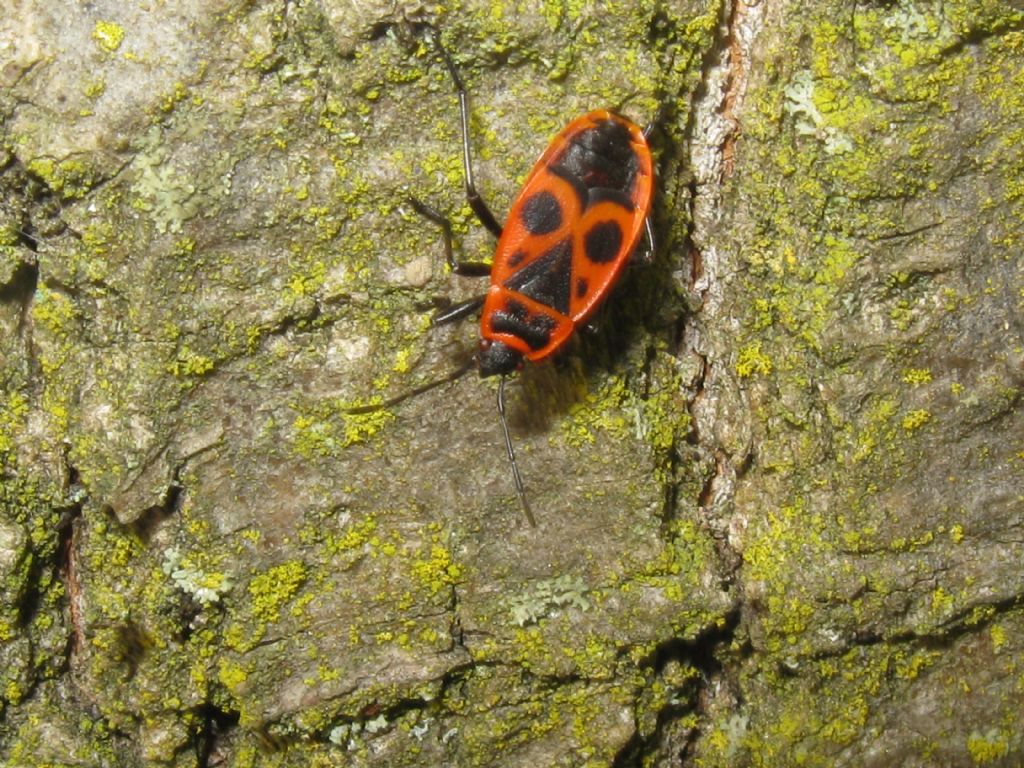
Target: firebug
[(571, 231)]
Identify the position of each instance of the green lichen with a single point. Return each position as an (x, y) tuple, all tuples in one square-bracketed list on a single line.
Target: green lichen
[(352, 537), (437, 570), (788, 536), (94, 89), (597, 411), (988, 747), (915, 419), (846, 686), (751, 360), (330, 427), (13, 412), (231, 675), (113, 545), (55, 311), (190, 364), (272, 589), (917, 376), (70, 178)]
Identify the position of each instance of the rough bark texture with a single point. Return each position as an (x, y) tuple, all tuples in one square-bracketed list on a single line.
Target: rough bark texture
[(779, 492)]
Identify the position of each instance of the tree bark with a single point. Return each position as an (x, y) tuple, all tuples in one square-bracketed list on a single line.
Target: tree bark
[(778, 490)]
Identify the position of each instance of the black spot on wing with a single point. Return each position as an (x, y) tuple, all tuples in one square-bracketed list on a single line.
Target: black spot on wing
[(547, 278), (516, 259), (602, 242), (541, 213), (515, 320), (581, 287)]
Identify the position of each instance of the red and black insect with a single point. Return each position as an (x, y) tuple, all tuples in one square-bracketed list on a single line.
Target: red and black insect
[(570, 233)]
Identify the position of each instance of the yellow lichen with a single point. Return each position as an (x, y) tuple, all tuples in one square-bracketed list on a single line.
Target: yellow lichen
[(436, 571), (917, 376), (274, 588), (915, 420), (108, 35), (751, 360), (231, 675), (987, 747)]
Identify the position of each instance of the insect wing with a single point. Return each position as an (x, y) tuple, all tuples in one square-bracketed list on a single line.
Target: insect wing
[(569, 234)]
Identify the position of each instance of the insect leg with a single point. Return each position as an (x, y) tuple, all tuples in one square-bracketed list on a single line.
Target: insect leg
[(512, 456), (457, 311), (476, 202), (465, 268)]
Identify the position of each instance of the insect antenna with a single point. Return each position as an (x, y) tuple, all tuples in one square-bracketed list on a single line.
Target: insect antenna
[(458, 373), (512, 456)]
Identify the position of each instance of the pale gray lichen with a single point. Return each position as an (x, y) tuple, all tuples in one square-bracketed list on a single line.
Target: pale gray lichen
[(800, 103), (421, 729), (908, 19), (546, 597), (348, 735), (204, 588), (339, 734)]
